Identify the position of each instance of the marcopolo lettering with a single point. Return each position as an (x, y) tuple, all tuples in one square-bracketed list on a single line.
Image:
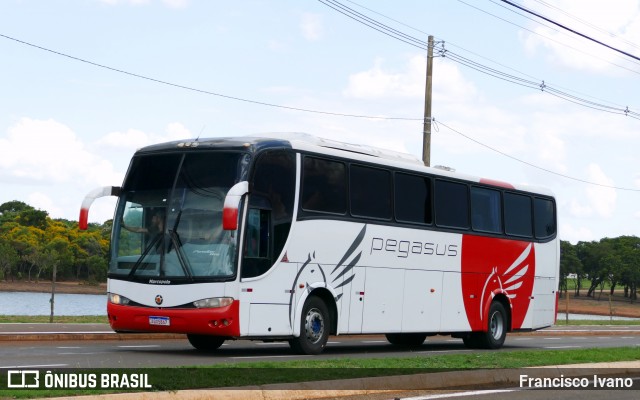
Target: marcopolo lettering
[(404, 248)]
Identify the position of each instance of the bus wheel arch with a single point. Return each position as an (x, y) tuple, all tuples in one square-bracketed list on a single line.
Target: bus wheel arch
[(316, 321), (495, 328)]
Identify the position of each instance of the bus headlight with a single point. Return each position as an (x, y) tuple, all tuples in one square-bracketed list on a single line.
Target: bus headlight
[(117, 299), (213, 302)]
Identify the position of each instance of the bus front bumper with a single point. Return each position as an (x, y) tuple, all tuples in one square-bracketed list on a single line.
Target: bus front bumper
[(223, 321)]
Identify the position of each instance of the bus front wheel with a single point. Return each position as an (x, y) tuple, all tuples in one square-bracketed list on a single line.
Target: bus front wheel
[(314, 328), (205, 342)]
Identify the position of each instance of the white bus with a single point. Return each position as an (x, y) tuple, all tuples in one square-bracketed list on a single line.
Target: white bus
[(297, 239)]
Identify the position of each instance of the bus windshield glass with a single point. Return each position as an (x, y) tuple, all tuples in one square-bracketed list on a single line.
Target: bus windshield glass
[(169, 219)]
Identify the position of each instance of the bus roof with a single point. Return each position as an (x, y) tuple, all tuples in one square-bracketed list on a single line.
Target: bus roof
[(314, 144)]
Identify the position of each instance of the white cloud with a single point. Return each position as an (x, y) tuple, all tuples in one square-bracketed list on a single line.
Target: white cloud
[(578, 210), (176, 3), (311, 26), (168, 3), (376, 83), (575, 234), (602, 199), (134, 139), (43, 202), (48, 151), (614, 23)]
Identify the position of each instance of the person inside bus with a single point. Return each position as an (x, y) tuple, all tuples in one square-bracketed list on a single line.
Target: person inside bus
[(154, 229)]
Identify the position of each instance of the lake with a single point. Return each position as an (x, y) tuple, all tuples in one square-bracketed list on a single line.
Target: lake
[(28, 303)]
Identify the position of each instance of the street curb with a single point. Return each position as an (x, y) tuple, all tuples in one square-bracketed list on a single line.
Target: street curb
[(63, 336), (9, 337)]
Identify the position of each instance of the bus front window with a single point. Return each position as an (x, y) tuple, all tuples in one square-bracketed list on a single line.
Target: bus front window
[(169, 219)]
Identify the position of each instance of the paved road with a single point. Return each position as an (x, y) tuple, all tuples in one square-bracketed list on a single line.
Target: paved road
[(98, 347), (95, 345)]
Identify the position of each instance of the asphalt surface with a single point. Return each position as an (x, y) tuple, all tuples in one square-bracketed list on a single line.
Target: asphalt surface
[(56, 331), (334, 389)]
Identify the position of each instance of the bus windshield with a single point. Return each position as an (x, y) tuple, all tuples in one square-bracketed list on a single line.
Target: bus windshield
[(168, 224)]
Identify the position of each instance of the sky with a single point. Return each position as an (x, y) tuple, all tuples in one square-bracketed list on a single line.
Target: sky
[(84, 83)]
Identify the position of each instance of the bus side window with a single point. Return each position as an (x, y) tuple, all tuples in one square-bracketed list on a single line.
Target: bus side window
[(517, 215), (544, 216), (486, 210), (256, 260)]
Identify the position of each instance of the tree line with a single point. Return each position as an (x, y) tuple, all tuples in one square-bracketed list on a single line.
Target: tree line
[(610, 262), (32, 243)]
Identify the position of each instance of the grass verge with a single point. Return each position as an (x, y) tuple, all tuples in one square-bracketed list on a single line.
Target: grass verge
[(260, 373), (62, 319)]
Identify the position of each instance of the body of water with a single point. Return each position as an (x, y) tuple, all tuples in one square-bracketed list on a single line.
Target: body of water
[(27, 303)]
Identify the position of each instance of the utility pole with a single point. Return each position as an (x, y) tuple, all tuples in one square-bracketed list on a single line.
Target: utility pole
[(426, 130)]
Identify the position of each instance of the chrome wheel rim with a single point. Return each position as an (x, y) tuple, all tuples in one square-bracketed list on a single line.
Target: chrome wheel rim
[(314, 326), (496, 325)]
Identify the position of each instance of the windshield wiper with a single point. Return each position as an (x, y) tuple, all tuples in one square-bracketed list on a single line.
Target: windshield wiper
[(144, 254)]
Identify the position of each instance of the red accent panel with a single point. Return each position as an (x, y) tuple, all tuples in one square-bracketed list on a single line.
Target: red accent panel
[(186, 320), (555, 314), (497, 183), (492, 266), (230, 219), (83, 222)]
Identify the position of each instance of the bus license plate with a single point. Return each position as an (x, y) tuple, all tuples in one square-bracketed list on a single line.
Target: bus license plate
[(163, 321)]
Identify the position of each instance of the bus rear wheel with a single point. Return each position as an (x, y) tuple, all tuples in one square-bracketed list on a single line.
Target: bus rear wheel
[(205, 342), (314, 328), (406, 339), (496, 332)]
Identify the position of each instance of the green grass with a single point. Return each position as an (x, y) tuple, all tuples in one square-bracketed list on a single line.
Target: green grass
[(62, 319), (259, 373)]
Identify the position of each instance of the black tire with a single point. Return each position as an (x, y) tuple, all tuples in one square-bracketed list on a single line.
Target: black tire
[(406, 339), (496, 332), (471, 341), (314, 328), (206, 343)]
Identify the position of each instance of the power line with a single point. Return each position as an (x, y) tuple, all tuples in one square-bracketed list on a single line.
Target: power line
[(551, 39), (587, 23), (413, 41), (533, 165), (95, 64), (570, 30), (299, 109)]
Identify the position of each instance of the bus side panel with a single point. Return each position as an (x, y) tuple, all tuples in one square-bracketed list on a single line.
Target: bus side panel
[(266, 301), (422, 301), (546, 285), (453, 316), (492, 267), (383, 300)]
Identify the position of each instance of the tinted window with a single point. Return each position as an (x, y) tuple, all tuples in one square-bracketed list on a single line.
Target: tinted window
[(486, 210), (273, 189), (370, 192), (413, 198), (324, 186), (517, 215), (452, 204), (545, 222)]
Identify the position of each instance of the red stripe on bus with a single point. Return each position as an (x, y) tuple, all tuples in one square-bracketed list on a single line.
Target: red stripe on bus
[(493, 182)]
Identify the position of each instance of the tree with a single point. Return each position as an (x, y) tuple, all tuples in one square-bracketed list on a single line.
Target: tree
[(569, 264), (8, 260)]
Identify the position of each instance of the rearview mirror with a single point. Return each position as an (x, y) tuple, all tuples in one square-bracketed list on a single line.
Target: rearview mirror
[(231, 205)]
